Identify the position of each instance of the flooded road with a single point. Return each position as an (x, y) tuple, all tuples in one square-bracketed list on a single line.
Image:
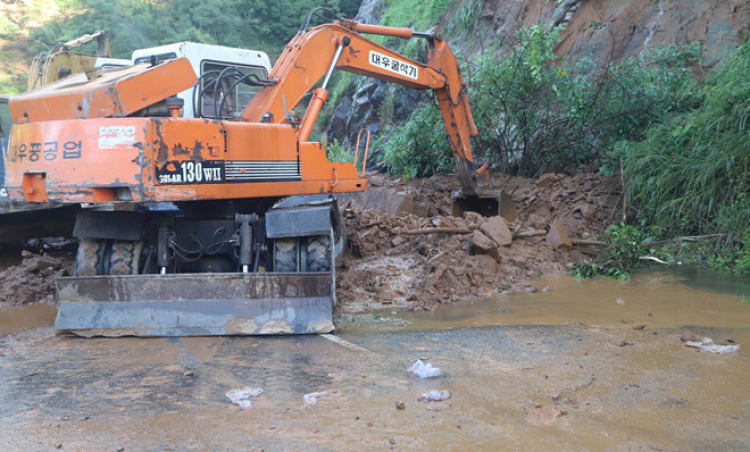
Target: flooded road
[(555, 370), (18, 318), (656, 299)]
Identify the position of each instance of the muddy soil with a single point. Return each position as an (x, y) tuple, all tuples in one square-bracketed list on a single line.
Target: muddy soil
[(394, 261), (33, 278)]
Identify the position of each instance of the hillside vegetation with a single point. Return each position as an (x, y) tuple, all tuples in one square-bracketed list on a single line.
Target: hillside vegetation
[(134, 24), (17, 19), (674, 132), (31, 26)]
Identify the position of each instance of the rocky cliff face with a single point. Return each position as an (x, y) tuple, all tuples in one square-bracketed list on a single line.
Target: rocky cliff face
[(612, 30), (603, 30)]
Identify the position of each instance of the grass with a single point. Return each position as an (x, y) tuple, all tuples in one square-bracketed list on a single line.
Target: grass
[(689, 175)]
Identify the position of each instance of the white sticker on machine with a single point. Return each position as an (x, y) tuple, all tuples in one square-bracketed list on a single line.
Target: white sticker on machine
[(116, 137), (393, 65)]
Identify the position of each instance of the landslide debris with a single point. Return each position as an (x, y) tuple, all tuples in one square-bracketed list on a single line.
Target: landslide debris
[(406, 251), (33, 279)]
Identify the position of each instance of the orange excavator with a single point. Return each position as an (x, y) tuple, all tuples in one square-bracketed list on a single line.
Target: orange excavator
[(224, 224)]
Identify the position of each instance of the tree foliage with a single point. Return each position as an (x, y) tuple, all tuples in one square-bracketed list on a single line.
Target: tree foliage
[(536, 113), (132, 24)]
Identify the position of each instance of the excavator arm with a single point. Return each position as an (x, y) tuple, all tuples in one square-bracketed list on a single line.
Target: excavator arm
[(313, 54)]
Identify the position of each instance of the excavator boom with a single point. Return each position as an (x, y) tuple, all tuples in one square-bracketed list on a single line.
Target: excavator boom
[(312, 55)]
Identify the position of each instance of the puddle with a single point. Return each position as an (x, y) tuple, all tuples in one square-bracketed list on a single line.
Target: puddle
[(17, 318), (654, 299)]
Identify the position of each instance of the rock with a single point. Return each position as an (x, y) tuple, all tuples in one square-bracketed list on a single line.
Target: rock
[(376, 180), (587, 210), (620, 301), (362, 96), (558, 237), (497, 229), (546, 180), (689, 336), (483, 244)]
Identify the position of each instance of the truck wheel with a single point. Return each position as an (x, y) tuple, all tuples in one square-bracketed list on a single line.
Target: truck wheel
[(285, 255), (88, 256), (319, 254), (122, 258)]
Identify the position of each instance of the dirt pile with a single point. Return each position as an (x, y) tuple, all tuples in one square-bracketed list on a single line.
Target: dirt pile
[(33, 279), (414, 254)]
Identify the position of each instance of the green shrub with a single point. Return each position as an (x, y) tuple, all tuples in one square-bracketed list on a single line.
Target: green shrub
[(339, 153), (420, 147), (625, 245)]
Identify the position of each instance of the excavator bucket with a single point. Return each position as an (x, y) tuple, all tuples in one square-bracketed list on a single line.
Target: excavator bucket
[(202, 304), (489, 204)]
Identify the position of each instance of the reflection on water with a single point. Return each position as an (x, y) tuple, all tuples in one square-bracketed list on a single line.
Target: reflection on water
[(713, 281), (655, 299)]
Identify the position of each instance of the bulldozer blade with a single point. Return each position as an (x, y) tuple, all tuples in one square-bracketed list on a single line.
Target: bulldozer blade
[(205, 304), (489, 204)]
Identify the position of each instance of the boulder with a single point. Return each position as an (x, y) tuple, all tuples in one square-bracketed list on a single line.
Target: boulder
[(558, 237), (497, 229), (484, 245)]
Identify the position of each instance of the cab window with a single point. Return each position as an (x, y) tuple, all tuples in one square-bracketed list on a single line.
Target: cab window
[(220, 81)]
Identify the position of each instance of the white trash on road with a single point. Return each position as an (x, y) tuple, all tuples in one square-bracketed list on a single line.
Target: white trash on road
[(424, 370), (435, 396), (312, 398), (242, 396), (708, 345)]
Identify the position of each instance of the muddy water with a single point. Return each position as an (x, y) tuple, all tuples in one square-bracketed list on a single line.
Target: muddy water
[(536, 388), (18, 318), (656, 299)]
